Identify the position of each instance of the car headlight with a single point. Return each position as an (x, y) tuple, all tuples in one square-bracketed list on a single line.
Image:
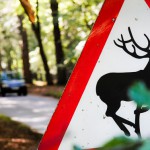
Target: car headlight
[(4, 85)]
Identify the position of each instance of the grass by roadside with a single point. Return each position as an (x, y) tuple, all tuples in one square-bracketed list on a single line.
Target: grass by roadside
[(17, 136), (54, 91)]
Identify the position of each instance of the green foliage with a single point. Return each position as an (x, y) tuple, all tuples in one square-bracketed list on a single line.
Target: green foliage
[(118, 141), (121, 143), (76, 148), (139, 93), (56, 94), (10, 40), (145, 145), (77, 26)]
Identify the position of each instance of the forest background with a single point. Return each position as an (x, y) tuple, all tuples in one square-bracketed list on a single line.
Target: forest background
[(42, 39)]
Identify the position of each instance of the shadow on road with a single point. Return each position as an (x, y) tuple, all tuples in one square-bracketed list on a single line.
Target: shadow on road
[(34, 111)]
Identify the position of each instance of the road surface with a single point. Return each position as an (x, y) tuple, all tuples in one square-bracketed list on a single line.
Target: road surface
[(35, 111)]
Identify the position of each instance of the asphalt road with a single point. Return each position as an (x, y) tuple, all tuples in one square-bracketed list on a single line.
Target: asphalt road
[(35, 111)]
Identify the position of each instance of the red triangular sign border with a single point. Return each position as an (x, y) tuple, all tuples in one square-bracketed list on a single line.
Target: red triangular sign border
[(80, 76), (148, 3)]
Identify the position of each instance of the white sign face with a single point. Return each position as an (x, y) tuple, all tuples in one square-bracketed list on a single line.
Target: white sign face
[(90, 127)]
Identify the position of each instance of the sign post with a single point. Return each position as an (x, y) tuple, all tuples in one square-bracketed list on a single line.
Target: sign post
[(95, 105)]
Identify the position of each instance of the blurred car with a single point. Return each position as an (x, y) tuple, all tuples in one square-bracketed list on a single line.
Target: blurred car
[(12, 82)]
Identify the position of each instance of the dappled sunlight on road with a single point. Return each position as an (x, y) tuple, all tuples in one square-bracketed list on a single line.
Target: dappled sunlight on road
[(34, 111)]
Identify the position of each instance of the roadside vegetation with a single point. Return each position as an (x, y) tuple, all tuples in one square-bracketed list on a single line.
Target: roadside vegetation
[(17, 136), (53, 91)]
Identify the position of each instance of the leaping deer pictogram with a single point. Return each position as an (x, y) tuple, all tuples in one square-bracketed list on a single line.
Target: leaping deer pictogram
[(112, 88)]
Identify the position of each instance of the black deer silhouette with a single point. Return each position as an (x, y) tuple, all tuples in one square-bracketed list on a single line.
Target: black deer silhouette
[(112, 88)]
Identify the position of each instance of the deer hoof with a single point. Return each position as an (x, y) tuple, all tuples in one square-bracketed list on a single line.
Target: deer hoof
[(127, 133), (144, 109), (141, 110), (138, 133)]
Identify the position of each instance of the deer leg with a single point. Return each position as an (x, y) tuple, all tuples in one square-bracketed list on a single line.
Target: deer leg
[(137, 113), (121, 125), (125, 121), (111, 111)]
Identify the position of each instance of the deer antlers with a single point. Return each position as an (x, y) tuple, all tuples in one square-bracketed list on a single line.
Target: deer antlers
[(134, 45)]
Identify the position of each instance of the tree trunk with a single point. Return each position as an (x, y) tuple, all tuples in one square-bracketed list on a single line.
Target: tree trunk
[(61, 70), (37, 31), (9, 62), (25, 52), (43, 56)]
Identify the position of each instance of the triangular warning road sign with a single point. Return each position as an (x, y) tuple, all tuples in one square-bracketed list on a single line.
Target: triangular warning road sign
[(115, 55)]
